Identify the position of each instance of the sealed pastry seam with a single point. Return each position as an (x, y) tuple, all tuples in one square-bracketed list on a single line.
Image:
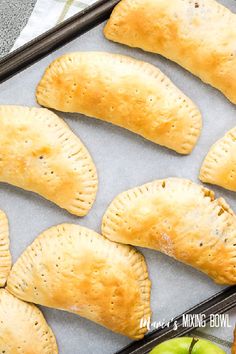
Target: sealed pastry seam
[(44, 156), (219, 166), (124, 91), (5, 255), (89, 252), (23, 327), (196, 229), (198, 35), (77, 152)]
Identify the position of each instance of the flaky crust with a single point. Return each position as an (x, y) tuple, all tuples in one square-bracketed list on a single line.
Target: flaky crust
[(39, 153), (181, 219), (23, 328), (5, 255), (72, 268), (129, 93), (219, 166), (199, 35)]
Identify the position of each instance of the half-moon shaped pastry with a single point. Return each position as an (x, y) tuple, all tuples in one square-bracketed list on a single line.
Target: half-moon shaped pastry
[(121, 90), (219, 166), (39, 153), (23, 328), (72, 268), (181, 219), (199, 35), (5, 255)]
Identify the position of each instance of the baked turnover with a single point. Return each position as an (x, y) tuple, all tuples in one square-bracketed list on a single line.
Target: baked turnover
[(72, 268), (123, 91), (39, 153), (181, 219), (219, 166), (199, 35), (23, 328)]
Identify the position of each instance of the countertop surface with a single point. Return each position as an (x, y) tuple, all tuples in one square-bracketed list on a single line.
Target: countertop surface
[(13, 17)]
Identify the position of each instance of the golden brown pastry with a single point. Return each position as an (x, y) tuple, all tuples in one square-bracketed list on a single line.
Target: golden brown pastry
[(23, 329), (199, 35), (5, 255), (123, 91), (219, 166), (39, 153), (234, 343), (72, 268), (181, 219)]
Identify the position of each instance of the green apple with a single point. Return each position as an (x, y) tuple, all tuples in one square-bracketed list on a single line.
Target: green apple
[(187, 346)]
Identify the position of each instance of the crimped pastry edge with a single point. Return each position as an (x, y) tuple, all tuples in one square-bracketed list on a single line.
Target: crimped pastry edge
[(218, 151), (69, 141), (133, 255), (68, 61), (35, 317), (110, 218), (5, 255)]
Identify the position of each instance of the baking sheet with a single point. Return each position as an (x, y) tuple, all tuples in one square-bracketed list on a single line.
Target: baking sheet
[(123, 160)]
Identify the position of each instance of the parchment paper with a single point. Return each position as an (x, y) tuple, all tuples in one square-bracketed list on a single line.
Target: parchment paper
[(123, 160)]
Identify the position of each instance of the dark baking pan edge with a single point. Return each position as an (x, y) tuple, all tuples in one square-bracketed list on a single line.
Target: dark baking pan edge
[(55, 38), (37, 49), (217, 304)]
